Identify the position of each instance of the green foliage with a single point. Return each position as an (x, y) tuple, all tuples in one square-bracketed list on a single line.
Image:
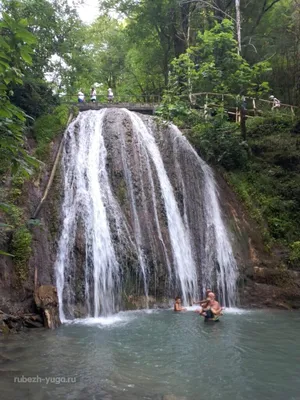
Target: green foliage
[(14, 215), (220, 143), (269, 185), (34, 97), (21, 249), (295, 254), (47, 127), (213, 65), (270, 125), (15, 52), (221, 69)]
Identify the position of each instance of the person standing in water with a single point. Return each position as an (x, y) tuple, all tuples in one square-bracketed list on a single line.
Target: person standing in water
[(213, 309), (203, 303), (207, 291), (177, 305)]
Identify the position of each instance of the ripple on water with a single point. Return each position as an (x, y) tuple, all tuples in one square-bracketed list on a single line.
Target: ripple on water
[(135, 355), (103, 322)]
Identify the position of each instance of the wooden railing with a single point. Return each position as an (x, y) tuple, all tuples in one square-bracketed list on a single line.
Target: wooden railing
[(136, 100), (232, 103), (207, 101)]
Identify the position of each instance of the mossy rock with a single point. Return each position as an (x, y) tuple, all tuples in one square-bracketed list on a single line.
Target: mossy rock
[(21, 249)]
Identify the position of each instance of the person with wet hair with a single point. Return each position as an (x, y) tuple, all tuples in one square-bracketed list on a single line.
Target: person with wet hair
[(177, 305), (213, 310), (203, 303)]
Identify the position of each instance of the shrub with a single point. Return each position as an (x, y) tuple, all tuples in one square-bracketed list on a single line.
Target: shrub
[(294, 258), (220, 143), (264, 126), (47, 127)]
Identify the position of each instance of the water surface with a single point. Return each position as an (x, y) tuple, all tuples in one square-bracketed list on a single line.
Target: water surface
[(142, 355)]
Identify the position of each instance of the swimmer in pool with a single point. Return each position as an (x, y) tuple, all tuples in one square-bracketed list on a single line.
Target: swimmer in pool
[(177, 305), (203, 303)]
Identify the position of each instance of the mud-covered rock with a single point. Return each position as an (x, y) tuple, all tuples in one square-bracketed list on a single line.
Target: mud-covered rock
[(47, 302)]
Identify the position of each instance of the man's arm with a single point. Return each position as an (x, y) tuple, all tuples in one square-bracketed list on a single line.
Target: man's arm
[(216, 310), (204, 302)]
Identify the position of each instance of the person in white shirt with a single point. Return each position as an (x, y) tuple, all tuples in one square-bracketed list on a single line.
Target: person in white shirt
[(80, 97), (276, 102), (93, 95), (110, 95)]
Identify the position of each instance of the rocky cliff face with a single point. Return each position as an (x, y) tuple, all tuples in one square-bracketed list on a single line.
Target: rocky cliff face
[(135, 194), (263, 282), (17, 296)]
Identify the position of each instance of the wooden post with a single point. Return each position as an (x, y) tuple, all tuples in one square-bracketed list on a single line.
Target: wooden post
[(206, 107), (243, 118), (254, 106), (293, 112), (238, 25)]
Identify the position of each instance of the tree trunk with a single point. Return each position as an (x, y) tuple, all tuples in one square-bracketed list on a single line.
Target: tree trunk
[(238, 25)]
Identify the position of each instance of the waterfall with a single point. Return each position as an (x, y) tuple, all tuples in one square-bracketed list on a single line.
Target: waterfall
[(185, 268), (140, 217), (218, 257), (87, 190)]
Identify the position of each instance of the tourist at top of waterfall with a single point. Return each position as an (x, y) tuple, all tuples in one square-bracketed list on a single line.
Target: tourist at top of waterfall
[(177, 305), (276, 102), (93, 95), (110, 95), (80, 97)]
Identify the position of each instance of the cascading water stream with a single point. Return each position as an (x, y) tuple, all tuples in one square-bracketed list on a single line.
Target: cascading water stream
[(86, 192), (185, 268), (219, 258), (134, 221)]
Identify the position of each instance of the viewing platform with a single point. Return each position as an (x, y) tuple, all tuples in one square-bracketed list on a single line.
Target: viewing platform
[(146, 104), (138, 107)]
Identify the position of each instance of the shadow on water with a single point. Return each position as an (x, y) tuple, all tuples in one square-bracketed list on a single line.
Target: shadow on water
[(142, 355)]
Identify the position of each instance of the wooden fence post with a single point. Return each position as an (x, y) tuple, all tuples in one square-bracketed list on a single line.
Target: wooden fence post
[(254, 106)]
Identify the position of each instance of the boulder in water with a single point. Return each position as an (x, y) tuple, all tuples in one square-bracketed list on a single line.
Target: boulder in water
[(47, 301)]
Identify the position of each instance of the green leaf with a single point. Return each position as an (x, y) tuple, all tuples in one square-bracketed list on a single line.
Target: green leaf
[(3, 253), (26, 57)]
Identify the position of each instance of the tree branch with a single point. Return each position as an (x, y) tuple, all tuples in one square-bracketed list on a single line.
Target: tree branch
[(209, 5), (271, 5)]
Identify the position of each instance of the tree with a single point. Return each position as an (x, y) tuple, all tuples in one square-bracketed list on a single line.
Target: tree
[(16, 49), (214, 65)]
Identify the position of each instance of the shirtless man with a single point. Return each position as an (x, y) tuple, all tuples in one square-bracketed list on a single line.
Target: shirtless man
[(177, 305), (203, 303), (215, 307)]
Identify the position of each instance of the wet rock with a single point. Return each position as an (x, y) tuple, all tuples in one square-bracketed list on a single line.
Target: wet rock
[(47, 301), (142, 302), (283, 306), (4, 329), (29, 323), (4, 360), (172, 397)]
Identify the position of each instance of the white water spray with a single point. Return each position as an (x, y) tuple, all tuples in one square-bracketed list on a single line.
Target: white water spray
[(86, 192), (184, 264)]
